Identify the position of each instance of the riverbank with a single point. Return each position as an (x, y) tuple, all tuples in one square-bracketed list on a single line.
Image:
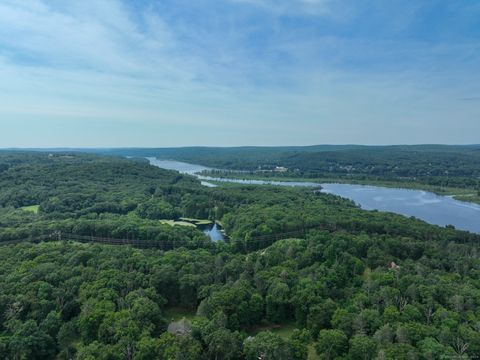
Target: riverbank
[(433, 204), (460, 194)]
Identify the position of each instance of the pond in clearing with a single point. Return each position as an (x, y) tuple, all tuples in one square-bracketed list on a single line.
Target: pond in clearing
[(214, 232)]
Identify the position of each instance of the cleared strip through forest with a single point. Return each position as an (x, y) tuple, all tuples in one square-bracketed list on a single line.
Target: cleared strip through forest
[(171, 244), (57, 236)]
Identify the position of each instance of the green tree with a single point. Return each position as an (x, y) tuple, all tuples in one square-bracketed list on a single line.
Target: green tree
[(277, 302), (362, 347), (224, 345), (391, 314), (331, 344), (29, 342), (431, 349), (343, 320), (266, 346), (399, 352), (319, 316), (178, 348)]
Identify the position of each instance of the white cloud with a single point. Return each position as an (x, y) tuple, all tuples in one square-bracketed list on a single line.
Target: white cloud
[(88, 36), (291, 7), (93, 60)]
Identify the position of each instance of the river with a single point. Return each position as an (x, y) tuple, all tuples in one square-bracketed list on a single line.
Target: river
[(432, 208)]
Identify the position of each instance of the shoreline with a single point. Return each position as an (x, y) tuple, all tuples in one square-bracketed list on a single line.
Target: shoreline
[(467, 195)]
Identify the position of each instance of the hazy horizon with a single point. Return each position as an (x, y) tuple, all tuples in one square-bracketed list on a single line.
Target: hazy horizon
[(124, 73), (226, 146)]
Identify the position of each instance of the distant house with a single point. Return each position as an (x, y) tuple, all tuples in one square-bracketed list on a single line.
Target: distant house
[(280, 169)]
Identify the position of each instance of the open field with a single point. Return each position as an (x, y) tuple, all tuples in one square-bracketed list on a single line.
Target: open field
[(173, 223), (196, 221), (32, 208), (283, 330)]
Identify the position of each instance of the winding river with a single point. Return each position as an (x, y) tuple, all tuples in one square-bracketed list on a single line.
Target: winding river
[(432, 208)]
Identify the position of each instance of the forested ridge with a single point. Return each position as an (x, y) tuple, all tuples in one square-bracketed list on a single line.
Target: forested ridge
[(429, 165), (91, 195), (356, 285)]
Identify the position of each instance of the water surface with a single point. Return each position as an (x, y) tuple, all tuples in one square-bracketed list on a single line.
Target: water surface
[(182, 167), (214, 233), (432, 208)]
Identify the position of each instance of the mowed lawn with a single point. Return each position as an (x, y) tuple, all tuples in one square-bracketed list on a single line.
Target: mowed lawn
[(173, 223), (32, 208)]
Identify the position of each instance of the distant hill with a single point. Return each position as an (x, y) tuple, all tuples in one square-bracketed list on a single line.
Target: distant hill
[(443, 165)]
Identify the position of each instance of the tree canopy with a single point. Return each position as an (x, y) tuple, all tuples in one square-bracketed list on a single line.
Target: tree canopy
[(334, 283)]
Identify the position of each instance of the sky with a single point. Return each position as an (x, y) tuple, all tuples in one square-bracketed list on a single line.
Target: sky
[(161, 73)]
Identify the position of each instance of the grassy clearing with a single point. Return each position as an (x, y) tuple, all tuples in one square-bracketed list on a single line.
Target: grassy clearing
[(475, 198), (312, 354), (188, 219), (173, 223), (366, 273), (177, 313), (197, 221), (32, 208), (204, 222), (283, 330)]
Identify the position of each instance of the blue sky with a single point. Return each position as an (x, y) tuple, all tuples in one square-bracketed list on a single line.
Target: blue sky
[(238, 72)]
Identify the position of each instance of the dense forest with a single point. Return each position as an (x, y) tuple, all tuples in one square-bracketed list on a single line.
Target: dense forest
[(91, 195), (350, 284)]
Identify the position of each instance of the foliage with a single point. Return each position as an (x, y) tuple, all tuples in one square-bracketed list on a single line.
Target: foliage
[(67, 300)]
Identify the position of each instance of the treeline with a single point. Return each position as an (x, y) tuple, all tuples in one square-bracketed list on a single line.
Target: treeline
[(78, 184), (281, 210), (451, 169), (436, 165)]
